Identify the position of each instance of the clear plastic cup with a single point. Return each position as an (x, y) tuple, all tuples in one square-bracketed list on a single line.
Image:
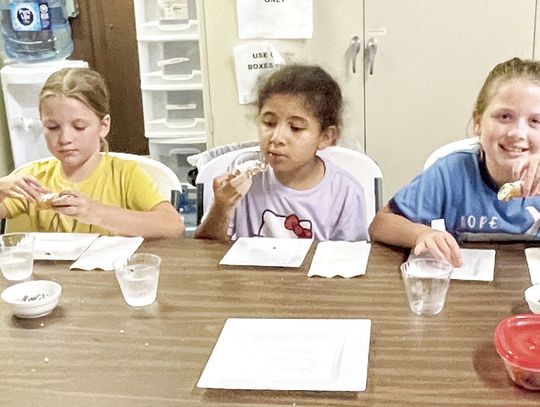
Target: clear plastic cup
[(426, 284), (17, 255), (138, 278)]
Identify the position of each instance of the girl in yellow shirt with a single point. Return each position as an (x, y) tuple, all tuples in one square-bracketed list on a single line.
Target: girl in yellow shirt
[(97, 193)]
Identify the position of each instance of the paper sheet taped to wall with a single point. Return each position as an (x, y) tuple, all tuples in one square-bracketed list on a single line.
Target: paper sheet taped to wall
[(275, 18), (252, 62)]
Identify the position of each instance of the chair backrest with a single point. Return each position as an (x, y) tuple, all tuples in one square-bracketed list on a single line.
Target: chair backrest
[(464, 144), (357, 163), (165, 178), (365, 169)]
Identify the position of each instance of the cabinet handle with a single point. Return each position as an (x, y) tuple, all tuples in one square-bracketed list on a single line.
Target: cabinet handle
[(372, 51), (355, 49)]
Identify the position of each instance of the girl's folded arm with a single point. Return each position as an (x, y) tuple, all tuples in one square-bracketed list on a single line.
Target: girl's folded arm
[(391, 228), (159, 222)]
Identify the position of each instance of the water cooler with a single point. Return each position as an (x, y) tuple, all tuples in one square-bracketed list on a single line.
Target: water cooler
[(37, 39), (21, 84)]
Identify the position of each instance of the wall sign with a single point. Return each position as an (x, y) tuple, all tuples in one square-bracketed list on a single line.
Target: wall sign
[(252, 62), (283, 19)]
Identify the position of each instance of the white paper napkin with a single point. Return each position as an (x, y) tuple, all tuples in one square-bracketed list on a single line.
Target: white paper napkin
[(478, 264), (267, 251), (533, 261), (340, 258), (105, 250), (61, 246)]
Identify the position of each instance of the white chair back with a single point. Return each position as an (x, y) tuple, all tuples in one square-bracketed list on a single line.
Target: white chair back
[(357, 163), (165, 178), (465, 144), (365, 169)]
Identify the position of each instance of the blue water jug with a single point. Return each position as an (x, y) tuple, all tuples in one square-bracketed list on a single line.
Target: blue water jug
[(36, 30)]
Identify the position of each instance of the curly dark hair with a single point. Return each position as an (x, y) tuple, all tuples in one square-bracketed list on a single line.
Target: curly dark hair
[(320, 91)]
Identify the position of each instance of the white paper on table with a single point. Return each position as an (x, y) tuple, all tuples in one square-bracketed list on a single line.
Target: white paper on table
[(251, 61), (61, 246), (478, 264), (264, 19), (267, 251), (340, 258), (290, 354), (533, 261), (105, 250)]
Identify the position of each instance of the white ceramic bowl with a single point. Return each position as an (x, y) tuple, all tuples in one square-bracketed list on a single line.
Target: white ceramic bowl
[(532, 295), (32, 299)]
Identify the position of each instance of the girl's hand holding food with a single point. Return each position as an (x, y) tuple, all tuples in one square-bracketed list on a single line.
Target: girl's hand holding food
[(76, 205), (21, 187), (230, 188), (529, 176)]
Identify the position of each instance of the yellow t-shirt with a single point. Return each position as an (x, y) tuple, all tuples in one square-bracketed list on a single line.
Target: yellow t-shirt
[(116, 182)]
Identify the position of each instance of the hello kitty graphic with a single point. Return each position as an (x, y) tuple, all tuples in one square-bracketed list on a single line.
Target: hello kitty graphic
[(284, 226)]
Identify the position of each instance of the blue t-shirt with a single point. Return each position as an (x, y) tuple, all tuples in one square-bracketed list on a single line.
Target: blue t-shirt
[(458, 189)]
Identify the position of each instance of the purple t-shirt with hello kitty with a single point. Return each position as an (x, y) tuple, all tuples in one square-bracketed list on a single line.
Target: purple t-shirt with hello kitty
[(335, 209)]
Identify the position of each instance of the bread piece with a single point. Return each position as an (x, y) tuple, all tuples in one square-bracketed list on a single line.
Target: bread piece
[(252, 167), (509, 191), (45, 201)]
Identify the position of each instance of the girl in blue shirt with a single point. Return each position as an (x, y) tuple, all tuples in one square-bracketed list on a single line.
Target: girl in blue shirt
[(462, 187)]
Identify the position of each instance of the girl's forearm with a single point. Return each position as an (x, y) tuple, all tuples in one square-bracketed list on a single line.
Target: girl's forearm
[(162, 221), (215, 225), (390, 228)]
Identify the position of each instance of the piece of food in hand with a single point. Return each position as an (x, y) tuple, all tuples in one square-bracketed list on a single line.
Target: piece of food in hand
[(46, 200), (252, 167), (509, 191)]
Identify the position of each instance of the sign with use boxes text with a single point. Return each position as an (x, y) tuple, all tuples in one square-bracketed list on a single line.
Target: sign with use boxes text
[(254, 62)]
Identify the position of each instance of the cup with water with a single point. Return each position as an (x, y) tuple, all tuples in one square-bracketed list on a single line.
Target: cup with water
[(426, 284), (138, 278), (16, 255)]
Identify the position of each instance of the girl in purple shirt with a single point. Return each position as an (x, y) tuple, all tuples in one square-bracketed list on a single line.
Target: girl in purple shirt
[(300, 195)]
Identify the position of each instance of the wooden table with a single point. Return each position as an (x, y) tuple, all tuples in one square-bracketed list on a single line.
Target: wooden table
[(94, 350)]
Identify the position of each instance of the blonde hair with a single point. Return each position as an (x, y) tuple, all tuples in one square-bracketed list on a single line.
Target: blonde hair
[(512, 69), (83, 84)]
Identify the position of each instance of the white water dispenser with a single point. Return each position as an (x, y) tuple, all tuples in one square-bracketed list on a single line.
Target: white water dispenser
[(21, 84)]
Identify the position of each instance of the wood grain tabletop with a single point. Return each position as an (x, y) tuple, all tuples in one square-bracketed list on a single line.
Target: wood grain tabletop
[(95, 350)]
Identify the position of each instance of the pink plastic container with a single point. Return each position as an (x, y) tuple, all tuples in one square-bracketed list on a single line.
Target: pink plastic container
[(517, 340)]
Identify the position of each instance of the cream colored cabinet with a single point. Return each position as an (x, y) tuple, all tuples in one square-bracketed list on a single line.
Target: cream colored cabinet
[(431, 59), (428, 70), (329, 48)]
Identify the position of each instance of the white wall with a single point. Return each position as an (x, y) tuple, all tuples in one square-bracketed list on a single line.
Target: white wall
[(6, 160)]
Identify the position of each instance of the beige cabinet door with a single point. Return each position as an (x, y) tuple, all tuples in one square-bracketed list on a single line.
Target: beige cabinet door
[(335, 22), (432, 57), (428, 70)]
